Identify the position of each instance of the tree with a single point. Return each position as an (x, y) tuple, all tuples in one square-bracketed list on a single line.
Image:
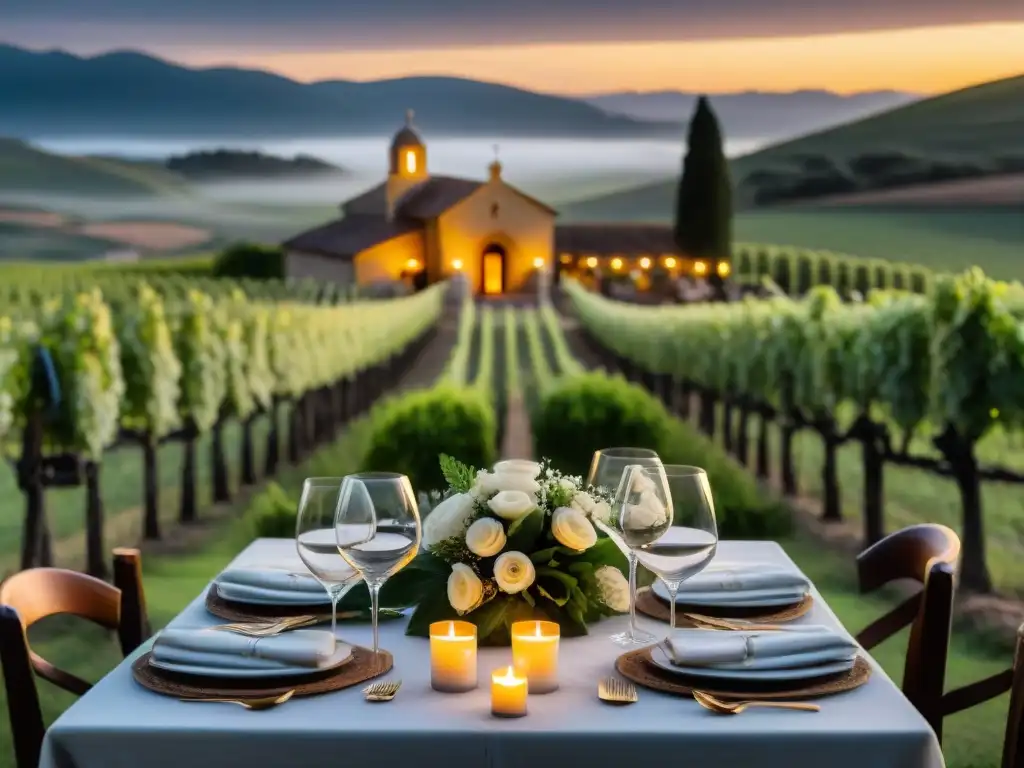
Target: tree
[(703, 226), (253, 260)]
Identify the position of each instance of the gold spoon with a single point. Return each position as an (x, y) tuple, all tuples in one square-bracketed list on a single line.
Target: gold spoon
[(255, 704), (708, 701)]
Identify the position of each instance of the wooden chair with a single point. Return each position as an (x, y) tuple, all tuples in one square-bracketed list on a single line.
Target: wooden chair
[(978, 693), (927, 554), (34, 594)]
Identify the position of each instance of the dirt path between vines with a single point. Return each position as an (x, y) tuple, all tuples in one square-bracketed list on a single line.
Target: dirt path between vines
[(518, 440)]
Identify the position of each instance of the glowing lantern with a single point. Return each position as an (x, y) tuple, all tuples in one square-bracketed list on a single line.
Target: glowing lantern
[(724, 269), (457, 264), (616, 263), (670, 262), (700, 268), (592, 262), (645, 263), (538, 263), (410, 161), (412, 264)]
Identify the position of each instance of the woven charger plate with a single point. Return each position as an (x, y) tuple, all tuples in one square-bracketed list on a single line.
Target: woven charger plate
[(651, 605), (232, 611), (638, 667), (360, 667)]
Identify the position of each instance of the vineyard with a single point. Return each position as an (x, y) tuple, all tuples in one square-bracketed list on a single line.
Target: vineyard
[(931, 382), (136, 363)]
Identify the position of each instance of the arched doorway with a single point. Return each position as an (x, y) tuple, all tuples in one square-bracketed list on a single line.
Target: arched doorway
[(492, 270)]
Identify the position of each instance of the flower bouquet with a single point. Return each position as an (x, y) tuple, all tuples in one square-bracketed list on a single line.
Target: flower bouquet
[(516, 542)]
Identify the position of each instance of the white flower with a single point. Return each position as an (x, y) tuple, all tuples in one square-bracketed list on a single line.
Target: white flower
[(566, 484), (488, 483), (465, 590), (613, 588), (485, 537), (514, 572), (591, 507), (649, 513), (512, 505), (572, 529), (642, 483), (447, 519), (518, 466)]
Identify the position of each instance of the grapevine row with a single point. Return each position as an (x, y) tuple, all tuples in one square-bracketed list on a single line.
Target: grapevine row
[(949, 364)]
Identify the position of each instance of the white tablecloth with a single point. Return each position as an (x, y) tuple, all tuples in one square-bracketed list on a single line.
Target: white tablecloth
[(118, 724)]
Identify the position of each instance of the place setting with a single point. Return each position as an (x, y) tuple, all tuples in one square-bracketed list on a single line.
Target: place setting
[(727, 640), (353, 531)]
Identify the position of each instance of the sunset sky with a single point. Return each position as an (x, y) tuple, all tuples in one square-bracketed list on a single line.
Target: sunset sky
[(565, 46)]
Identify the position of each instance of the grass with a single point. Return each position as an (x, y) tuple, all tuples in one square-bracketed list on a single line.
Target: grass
[(21, 241), (121, 488)]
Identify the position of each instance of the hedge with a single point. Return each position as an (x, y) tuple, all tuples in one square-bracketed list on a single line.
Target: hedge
[(585, 413)]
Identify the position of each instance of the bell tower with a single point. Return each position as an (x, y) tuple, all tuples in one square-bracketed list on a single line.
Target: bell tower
[(407, 163)]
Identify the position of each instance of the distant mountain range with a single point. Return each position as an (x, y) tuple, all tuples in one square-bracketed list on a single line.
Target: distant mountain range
[(55, 94), (756, 114)]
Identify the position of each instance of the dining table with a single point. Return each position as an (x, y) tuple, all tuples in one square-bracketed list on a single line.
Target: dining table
[(120, 724)]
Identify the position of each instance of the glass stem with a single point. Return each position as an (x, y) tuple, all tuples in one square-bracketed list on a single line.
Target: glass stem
[(335, 597), (632, 596), (673, 590), (374, 588)]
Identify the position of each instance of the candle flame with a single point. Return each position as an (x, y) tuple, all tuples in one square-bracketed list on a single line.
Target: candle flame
[(509, 678), (538, 634), (451, 629)]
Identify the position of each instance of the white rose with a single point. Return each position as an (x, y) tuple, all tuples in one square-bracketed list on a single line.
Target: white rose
[(649, 513), (613, 588), (642, 483), (447, 519), (495, 482), (591, 507), (518, 466), (572, 529), (512, 505), (485, 537), (465, 590), (566, 484), (514, 572)]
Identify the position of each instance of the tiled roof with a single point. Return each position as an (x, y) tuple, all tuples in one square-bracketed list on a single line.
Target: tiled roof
[(346, 237), (435, 196), (609, 239)]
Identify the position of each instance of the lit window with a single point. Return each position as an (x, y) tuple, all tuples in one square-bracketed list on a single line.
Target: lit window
[(616, 263), (457, 265), (670, 262), (645, 263), (592, 262), (410, 161)]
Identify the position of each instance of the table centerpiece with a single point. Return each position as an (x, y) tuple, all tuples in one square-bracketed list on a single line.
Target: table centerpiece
[(513, 543)]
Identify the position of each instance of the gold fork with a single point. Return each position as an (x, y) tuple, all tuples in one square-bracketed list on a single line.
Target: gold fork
[(616, 691), (385, 691), (710, 621), (267, 628)]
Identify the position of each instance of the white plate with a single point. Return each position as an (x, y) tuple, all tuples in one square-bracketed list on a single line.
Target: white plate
[(759, 599), (246, 595), (342, 654), (779, 675)]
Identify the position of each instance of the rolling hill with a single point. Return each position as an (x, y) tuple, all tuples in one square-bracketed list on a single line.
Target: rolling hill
[(55, 94), (764, 116), (982, 125), (23, 168)]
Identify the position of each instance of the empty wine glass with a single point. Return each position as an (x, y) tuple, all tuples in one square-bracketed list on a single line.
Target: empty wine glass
[(681, 544), (316, 542), (377, 528), (606, 470)]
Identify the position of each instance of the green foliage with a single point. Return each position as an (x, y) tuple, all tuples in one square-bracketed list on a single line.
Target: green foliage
[(272, 513), (585, 413), (411, 431), (703, 225), (457, 475), (262, 262)]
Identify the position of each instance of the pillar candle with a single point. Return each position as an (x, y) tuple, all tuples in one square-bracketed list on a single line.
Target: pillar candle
[(508, 693), (452, 656), (535, 654)]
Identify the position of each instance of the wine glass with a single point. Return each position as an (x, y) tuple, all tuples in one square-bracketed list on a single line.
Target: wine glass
[(680, 544), (606, 470), (377, 528), (316, 542)]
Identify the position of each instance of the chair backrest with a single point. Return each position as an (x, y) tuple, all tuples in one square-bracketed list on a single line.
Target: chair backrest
[(1011, 680), (927, 554), (35, 594)]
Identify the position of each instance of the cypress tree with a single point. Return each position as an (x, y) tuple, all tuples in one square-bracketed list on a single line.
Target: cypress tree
[(703, 227)]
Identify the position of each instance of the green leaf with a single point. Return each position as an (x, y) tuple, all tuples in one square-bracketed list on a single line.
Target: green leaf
[(547, 556), (489, 617), (555, 585), (524, 532), (424, 576), (529, 599), (459, 477)]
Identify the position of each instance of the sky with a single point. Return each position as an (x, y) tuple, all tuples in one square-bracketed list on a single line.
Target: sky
[(566, 46)]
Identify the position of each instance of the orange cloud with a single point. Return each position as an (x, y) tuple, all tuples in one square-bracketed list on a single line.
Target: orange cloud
[(927, 60)]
